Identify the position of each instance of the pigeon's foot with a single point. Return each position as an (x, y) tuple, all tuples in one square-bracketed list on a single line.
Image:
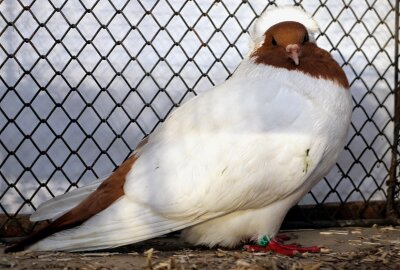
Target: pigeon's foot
[(277, 245)]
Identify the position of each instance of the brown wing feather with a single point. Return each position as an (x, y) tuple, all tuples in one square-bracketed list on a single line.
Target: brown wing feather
[(108, 192)]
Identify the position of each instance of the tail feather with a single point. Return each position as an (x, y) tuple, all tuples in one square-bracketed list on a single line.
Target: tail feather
[(124, 222), (59, 205), (104, 196)]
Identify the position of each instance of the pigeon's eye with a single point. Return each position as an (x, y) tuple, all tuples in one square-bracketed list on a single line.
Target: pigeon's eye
[(306, 39), (274, 42)]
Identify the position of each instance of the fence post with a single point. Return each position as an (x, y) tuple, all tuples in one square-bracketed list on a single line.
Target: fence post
[(393, 185)]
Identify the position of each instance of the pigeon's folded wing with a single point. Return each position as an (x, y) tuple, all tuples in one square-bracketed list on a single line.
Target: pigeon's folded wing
[(227, 152)]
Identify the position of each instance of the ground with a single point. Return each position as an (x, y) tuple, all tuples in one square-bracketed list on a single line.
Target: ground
[(343, 248)]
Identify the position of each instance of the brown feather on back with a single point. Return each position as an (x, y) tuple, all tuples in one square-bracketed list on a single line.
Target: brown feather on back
[(107, 193)]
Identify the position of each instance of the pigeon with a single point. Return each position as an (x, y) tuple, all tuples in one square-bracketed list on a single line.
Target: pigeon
[(226, 166)]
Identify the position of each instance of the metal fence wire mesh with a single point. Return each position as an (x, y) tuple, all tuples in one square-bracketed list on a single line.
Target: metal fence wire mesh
[(82, 82)]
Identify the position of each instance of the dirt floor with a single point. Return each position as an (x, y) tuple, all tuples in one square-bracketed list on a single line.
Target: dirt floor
[(343, 248)]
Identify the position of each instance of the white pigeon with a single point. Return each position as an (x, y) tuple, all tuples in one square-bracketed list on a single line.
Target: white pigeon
[(227, 165)]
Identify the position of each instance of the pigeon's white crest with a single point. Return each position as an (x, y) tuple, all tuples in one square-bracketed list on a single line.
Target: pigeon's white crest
[(227, 165), (276, 15)]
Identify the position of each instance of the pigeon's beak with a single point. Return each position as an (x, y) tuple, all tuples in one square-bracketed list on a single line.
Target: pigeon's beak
[(293, 52)]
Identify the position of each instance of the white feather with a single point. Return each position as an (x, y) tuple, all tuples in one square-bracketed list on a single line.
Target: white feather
[(122, 223), (61, 204), (226, 135), (243, 154)]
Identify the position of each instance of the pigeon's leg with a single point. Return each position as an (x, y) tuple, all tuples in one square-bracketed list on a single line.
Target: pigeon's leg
[(276, 245)]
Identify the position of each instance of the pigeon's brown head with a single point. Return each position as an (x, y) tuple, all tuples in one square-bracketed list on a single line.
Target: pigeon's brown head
[(288, 45), (285, 38)]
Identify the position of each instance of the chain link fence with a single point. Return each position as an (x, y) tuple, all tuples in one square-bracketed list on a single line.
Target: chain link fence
[(82, 82)]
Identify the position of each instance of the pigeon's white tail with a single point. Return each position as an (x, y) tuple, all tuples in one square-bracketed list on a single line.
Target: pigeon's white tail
[(122, 223), (59, 205)]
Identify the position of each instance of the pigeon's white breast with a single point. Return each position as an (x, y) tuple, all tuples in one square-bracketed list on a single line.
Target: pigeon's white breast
[(258, 138)]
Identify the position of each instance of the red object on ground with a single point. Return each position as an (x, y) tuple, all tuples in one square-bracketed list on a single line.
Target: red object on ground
[(277, 245)]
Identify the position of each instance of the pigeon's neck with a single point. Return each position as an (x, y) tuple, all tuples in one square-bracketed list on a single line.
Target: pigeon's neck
[(314, 62)]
